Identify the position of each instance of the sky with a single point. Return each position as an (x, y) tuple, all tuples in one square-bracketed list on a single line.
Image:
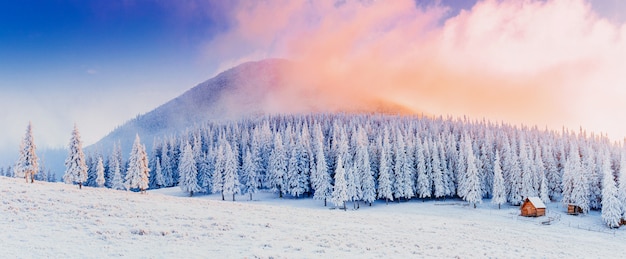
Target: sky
[(100, 63)]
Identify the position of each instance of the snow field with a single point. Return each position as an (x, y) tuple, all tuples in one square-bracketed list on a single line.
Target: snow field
[(61, 221)]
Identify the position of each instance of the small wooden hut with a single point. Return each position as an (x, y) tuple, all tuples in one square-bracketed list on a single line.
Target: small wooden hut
[(573, 209), (533, 207)]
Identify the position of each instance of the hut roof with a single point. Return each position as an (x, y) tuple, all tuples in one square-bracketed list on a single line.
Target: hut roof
[(536, 202)]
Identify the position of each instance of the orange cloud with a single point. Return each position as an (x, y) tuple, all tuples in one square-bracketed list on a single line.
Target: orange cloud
[(551, 63)]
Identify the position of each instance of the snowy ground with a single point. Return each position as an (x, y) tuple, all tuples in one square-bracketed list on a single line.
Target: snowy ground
[(58, 220)]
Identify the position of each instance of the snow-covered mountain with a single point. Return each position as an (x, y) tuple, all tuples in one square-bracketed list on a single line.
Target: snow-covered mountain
[(261, 87), (234, 92)]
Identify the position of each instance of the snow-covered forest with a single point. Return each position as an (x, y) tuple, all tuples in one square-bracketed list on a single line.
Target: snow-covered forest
[(357, 159)]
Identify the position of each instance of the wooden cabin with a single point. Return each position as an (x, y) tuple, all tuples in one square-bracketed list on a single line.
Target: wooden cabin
[(573, 209), (533, 207)]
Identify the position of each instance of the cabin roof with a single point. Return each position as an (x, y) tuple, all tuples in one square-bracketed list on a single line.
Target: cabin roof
[(536, 202)]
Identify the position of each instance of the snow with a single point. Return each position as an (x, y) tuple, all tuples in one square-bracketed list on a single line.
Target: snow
[(59, 220), (537, 202)]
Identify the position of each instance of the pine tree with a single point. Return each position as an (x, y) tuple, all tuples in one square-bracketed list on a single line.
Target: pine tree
[(277, 167), (385, 190), (250, 176), (28, 163), (472, 181), (438, 184), (499, 192), (138, 172), (166, 166), (76, 172), (158, 174), (220, 167), (320, 179), (231, 173), (611, 205), (363, 170), (100, 173), (423, 178), (340, 192), (188, 172), (622, 183), (116, 178)]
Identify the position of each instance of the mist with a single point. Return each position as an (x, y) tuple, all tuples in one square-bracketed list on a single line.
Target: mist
[(548, 63)]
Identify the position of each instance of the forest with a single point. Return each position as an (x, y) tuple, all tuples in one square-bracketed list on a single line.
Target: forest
[(360, 158)]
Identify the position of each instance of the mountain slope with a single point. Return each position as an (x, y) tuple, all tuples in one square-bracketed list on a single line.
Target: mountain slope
[(261, 87), (236, 92)]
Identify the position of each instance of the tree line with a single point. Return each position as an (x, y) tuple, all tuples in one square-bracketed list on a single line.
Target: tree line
[(360, 158)]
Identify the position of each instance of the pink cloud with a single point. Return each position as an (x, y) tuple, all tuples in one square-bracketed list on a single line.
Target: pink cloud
[(553, 63)]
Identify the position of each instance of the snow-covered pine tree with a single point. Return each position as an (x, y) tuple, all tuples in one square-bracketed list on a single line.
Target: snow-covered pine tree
[(188, 172), (100, 172), (362, 168), (621, 195), (166, 166), (138, 173), (232, 185), (320, 179), (117, 182), (580, 190), (472, 181), (438, 186), (611, 205), (527, 167), (76, 169), (27, 164), (552, 172), (514, 174), (543, 188), (159, 180), (571, 170), (423, 185), (277, 167), (293, 173), (385, 184), (499, 192), (486, 172), (250, 177), (340, 192), (220, 165)]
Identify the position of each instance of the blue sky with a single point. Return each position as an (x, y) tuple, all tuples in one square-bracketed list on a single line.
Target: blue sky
[(100, 63)]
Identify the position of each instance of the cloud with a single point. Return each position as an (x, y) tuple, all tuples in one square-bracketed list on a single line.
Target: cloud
[(92, 71), (554, 63)]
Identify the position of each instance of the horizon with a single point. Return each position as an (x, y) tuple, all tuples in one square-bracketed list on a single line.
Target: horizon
[(89, 64)]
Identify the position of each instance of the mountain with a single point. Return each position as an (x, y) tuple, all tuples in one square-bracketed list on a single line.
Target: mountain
[(261, 87)]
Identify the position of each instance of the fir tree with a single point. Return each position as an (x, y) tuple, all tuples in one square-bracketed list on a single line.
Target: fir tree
[(321, 179), (340, 192), (250, 170), (28, 163), (611, 205), (100, 173), (499, 192), (116, 178), (385, 190), (188, 172), (138, 172), (277, 167), (424, 189), (220, 167), (363, 170), (621, 192), (472, 181), (76, 172), (159, 180), (231, 173)]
